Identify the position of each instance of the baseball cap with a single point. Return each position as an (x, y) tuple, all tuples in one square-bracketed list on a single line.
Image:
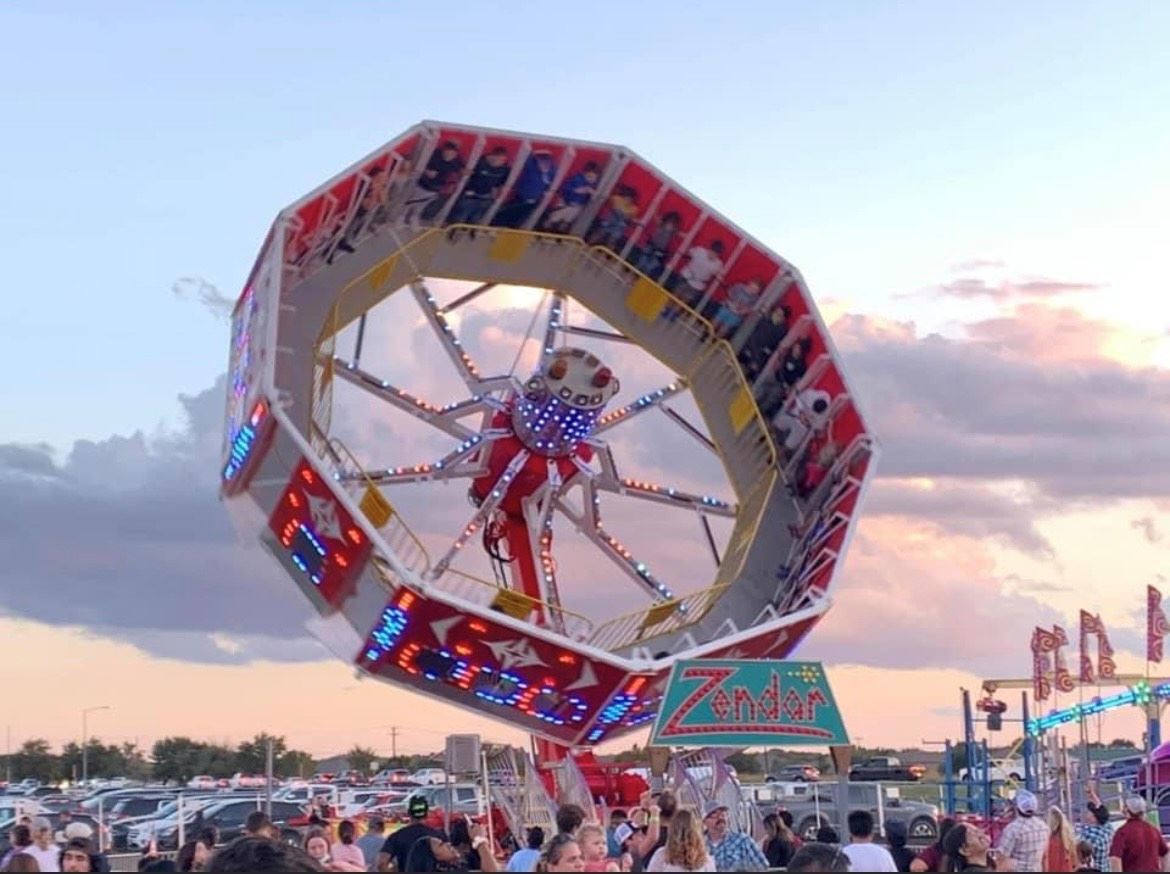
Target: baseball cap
[(1025, 802), (622, 833), (78, 830), (712, 807), (1135, 805), (418, 807)]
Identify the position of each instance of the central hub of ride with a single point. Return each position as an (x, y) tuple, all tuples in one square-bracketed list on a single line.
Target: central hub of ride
[(562, 402)]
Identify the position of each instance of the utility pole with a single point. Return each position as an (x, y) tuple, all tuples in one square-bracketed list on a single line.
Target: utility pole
[(268, 776), (85, 740), (8, 754), (394, 741)]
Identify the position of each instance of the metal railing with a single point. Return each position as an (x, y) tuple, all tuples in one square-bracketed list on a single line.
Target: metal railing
[(660, 618), (483, 593)]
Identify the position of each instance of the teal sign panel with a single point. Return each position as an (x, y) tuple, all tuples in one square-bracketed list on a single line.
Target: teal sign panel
[(744, 703)]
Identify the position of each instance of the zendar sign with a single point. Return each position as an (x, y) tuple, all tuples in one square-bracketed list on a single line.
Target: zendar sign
[(742, 702)]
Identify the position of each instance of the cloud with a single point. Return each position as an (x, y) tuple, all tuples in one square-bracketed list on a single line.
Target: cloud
[(976, 288), (947, 408), (1149, 529), (968, 509), (914, 597), (126, 538), (196, 288), (1041, 332), (976, 264)]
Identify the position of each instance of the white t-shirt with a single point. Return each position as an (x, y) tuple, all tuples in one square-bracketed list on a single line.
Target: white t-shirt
[(703, 265), (803, 406), (48, 860), (869, 857), (658, 863)]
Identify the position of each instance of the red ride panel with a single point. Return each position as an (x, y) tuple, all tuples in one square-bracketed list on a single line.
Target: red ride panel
[(319, 534)]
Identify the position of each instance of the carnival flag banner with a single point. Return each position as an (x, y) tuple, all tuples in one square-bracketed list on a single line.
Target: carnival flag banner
[(1106, 667), (1088, 626), (1156, 625), (1064, 680), (1044, 643)]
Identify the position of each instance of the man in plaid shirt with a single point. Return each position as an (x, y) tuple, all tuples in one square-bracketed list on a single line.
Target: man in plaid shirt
[(1097, 831), (1025, 839), (732, 851)]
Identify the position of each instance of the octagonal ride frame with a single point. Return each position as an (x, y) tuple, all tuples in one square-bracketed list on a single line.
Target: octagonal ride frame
[(585, 221)]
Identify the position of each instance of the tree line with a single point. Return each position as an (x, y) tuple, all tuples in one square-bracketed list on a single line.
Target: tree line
[(180, 759)]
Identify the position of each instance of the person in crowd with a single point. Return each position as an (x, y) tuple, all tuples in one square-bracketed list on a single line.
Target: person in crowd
[(21, 838), (703, 264), (78, 855), (193, 856), (805, 413), (863, 853), (969, 849), (591, 839), (652, 253), (570, 818), (532, 184), (826, 834), (897, 837), (1025, 838), (316, 845), (24, 862), (1096, 831), (1137, 845), (786, 818), (1061, 854), (425, 200), (575, 193), (778, 846), (818, 461), (764, 339), (741, 299), (527, 859), (795, 363), (372, 840), (258, 825), (1086, 853), (612, 227), (470, 842), (658, 819), (817, 857), (562, 853), (483, 186), (416, 847), (933, 857), (613, 846), (731, 850), (345, 851), (685, 849), (43, 849), (373, 199), (208, 836), (261, 854)]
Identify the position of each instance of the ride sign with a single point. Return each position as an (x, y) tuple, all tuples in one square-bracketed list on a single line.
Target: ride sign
[(741, 703)]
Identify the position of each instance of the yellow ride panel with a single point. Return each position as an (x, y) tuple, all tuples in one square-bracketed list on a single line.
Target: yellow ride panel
[(741, 410), (646, 300), (509, 246)]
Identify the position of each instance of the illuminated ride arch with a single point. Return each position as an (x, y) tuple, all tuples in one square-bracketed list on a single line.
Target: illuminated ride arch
[(598, 226)]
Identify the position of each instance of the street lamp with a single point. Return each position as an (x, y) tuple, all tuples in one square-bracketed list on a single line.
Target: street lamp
[(85, 740)]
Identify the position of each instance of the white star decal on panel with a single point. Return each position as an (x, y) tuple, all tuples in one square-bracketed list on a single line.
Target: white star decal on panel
[(514, 653), (737, 652), (587, 680), (324, 513), (442, 627)]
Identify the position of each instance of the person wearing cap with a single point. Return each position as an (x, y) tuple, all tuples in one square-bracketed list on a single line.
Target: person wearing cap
[(1137, 845), (43, 849), (416, 847), (1025, 838), (1096, 831), (731, 850)]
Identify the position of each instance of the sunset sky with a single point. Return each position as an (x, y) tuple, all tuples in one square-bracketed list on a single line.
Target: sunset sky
[(975, 195)]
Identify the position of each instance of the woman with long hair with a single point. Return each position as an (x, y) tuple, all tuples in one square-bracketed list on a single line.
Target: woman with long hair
[(686, 848), (780, 843), (1062, 843), (345, 850)]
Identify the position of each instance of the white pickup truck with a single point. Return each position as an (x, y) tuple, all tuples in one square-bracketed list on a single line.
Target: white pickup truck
[(1002, 770)]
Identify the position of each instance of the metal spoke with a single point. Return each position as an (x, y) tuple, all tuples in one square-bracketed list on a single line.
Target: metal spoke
[(467, 298), (556, 312), (468, 372), (596, 334), (447, 467), (404, 400), (648, 401), (495, 496), (667, 495), (704, 441)]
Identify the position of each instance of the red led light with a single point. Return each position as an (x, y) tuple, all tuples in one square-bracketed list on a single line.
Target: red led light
[(354, 535), (479, 626), (307, 476), (462, 649), (635, 684), (405, 600), (566, 659), (341, 562), (293, 499)]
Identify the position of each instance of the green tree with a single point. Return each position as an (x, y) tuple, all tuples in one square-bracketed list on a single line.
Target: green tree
[(252, 755), (744, 763), (180, 758), (35, 759), (361, 759), (1123, 742), (295, 763)]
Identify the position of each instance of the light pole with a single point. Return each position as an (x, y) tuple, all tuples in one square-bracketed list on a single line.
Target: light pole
[(85, 740)]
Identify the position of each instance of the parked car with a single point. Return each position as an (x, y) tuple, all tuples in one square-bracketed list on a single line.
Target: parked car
[(203, 781), (1002, 770), (429, 776), (795, 774), (1122, 770), (392, 775), (228, 816), (818, 807), (247, 781), (886, 769)]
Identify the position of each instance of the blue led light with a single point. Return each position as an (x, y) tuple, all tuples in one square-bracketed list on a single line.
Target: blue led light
[(386, 633), (244, 442)]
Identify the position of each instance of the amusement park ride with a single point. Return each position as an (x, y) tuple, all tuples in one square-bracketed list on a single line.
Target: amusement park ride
[(579, 220)]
